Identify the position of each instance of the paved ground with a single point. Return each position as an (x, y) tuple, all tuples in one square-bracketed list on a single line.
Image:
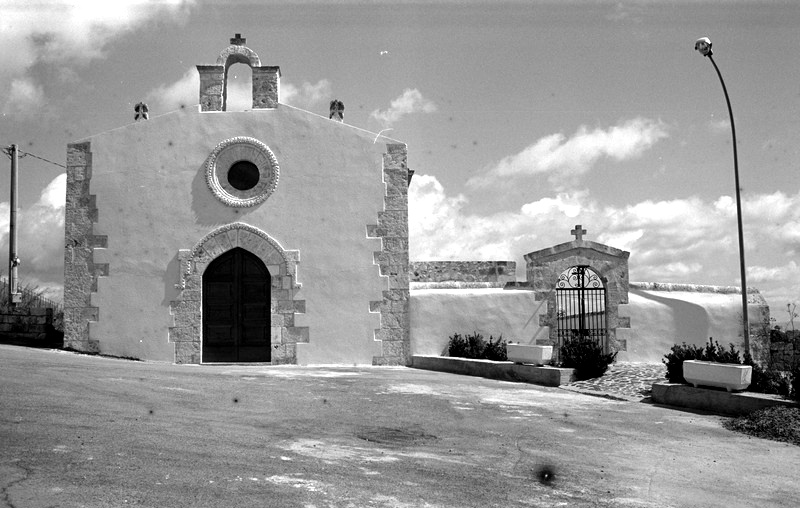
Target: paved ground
[(78, 431), (624, 381)]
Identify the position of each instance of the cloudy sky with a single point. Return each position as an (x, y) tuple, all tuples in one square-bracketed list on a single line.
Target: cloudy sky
[(522, 118)]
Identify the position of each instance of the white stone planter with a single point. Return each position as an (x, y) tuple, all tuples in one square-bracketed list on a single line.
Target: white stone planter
[(730, 376), (524, 353)]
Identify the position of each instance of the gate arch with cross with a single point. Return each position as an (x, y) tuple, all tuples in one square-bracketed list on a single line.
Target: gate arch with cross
[(587, 272)]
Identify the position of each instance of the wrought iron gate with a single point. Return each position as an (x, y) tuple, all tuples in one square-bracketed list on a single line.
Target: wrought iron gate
[(580, 305)]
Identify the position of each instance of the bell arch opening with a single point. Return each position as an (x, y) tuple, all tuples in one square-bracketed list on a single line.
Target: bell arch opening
[(237, 92)]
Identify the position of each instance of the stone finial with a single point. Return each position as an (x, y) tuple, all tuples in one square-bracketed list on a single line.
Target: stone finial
[(337, 110), (578, 232), (142, 112), (238, 40)]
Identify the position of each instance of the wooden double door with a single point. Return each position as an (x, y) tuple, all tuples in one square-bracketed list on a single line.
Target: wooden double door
[(236, 309)]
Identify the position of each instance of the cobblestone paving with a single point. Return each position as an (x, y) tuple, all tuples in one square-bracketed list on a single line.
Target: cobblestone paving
[(626, 381)]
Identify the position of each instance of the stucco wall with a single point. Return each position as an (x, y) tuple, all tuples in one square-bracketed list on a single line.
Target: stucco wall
[(436, 314), (659, 318), (665, 314), (152, 201)]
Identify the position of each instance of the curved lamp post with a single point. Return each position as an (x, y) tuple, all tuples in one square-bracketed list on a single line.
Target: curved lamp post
[(703, 45)]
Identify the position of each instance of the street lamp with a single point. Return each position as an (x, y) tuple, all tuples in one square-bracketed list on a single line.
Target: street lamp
[(703, 45)]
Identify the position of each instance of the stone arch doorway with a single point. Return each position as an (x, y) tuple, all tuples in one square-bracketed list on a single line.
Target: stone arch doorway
[(581, 305), (236, 309), (187, 309)]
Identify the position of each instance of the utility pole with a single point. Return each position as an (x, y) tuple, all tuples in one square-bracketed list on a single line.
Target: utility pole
[(14, 296)]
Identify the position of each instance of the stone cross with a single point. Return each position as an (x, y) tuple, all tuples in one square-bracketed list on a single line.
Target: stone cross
[(578, 232), (238, 40)]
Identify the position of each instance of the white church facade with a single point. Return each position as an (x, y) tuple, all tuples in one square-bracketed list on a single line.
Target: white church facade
[(273, 235)]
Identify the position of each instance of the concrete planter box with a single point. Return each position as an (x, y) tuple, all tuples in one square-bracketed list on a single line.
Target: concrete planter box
[(716, 401), (524, 353), (730, 376), (507, 371)]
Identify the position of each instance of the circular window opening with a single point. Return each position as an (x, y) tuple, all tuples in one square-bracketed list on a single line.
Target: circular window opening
[(243, 175)]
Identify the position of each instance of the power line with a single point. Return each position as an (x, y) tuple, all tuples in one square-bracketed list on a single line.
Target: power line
[(25, 154)]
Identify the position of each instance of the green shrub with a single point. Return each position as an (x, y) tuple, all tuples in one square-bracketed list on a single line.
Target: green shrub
[(586, 356), (674, 360), (474, 346), (496, 350), (716, 353), (768, 380), (457, 346), (762, 380)]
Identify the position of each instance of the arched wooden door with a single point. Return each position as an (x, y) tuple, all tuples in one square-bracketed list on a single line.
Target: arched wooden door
[(236, 309)]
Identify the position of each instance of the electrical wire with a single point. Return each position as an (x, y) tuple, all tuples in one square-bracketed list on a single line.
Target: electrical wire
[(25, 154)]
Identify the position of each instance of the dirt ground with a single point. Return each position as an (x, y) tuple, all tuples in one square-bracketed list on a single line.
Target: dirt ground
[(80, 431)]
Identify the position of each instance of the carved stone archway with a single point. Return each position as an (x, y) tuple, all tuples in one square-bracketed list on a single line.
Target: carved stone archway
[(545, 266), (281, 263)]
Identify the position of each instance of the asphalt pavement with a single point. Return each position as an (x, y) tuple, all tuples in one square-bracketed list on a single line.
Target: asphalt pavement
[(83, 431)]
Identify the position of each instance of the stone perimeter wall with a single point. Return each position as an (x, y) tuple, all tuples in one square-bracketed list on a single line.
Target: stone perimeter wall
[(29, 327), (784, 349), (463, 271)]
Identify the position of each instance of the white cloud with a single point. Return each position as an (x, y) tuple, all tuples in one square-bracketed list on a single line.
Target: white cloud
[(411, 101), (681, 240), (182, 93), (24, 98), (307, 95), (40, 236), (563, 157), (62, 32)]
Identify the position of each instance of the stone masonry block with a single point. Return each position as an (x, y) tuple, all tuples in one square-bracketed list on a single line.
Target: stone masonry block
[(296, 334), (384, 361), (396, 295), (394, 348), (187, 352), (284, 354), (184, 334), (391, 334), (396, 201), (395, 244), (395, 320)]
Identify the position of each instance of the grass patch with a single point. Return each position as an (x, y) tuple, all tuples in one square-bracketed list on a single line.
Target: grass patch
[(777, 423)]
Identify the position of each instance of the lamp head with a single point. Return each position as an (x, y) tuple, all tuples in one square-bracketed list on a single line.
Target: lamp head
[(703, 45)]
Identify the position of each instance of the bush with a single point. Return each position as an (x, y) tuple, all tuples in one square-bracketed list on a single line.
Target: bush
[(674, 360), (474, 346), (496, 350), (716, 353), (768, 380), (763, 380), (586, 356)]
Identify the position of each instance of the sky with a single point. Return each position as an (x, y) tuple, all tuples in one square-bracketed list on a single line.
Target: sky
[(522, 119)]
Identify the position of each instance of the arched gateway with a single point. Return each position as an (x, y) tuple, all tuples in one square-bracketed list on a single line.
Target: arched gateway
[(584, 284)]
